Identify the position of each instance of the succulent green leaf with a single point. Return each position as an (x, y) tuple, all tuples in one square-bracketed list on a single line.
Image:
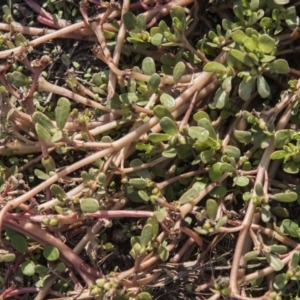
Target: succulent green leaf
[(289, 227), (207, 156), (239, 36), (160, 214), (279, 211), (215, 67), (198, 133), (167, 101), (201, 115), (168, 126), (179, 13), (263, 87), (274, 261), (8, 257), (27, 267), (41, 175), (153, 83), (218, 192), (155, 226), (285, 197), (89, 205), (129, 98), (280, 280), (251, 255), (148, 66), (158, 137), (189, 196), (43, 120), (221, 222), (20, 40), (205, 123), (62, 112), (160, 112), (238, 11), (242, 57), (163, 253), (19, 242), (170, 152), (295, 259), (291, 167), (138, 183), (243, 136), (221, 97), (226, 167), (232, 151), (280, 154), (266, 43), (130, 20), (157, 39), (215, 172), (279, 66), (246, 88), (283, 136), (43, 133), (141, 22), (241, 181), (51, 253), (178, 71), (279, 249), (211, 208), (18, 79), (259, 190), (146, 235), (58, 192)]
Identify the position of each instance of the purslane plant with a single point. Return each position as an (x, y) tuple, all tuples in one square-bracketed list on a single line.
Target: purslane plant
[(177, 128)]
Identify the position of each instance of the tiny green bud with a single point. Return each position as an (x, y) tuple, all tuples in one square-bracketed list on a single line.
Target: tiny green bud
[(107, 286), (206, 226), (95, 291), (155, 191), (100, 282), (289, 274), (225, 291), (53, 222)]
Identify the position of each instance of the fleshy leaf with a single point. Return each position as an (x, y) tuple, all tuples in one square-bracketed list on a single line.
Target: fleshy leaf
[(51, 253), (167, 101), (148, 66), (168, 126), (282, 137), (211, 208), (27, 267), (153, 82), (158, 137), (214, 66), (279, 66), (178, 71), (245, 89), (198, 133), (285, 197), (263, 87), (146, 235), (241, 181), (89, 205), (189, 196), (266, 43), (62, 112), (43, 120)]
